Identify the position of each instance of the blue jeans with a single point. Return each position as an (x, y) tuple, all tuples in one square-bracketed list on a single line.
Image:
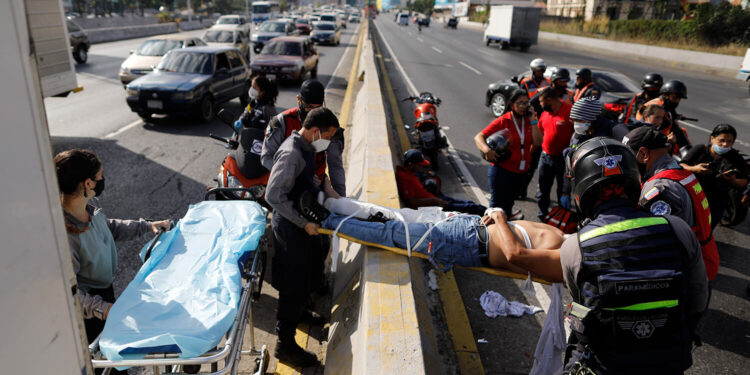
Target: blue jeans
[(504, 187), (460, 205), (453, 241), (551, 169)]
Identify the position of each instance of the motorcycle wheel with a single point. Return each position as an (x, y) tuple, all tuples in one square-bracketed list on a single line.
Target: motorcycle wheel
[(735, 211), (431, 156)]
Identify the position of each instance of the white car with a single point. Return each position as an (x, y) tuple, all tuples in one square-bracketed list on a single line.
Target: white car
[(228, 36), (235, 20), (744, 73)]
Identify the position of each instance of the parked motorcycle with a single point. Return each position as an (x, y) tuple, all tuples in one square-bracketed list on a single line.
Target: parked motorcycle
[(242, 168), (427, 127)]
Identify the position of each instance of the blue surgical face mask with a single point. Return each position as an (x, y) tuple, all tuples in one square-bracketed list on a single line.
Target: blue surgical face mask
[(721, 150)]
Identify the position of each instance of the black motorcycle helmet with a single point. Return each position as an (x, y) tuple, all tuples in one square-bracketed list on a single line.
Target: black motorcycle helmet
[(652, 80), (599, 162), (674, 87), (559, 73), (584, 74)]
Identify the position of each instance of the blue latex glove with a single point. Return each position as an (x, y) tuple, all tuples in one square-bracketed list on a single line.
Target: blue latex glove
[(565, 201), (238, 125)]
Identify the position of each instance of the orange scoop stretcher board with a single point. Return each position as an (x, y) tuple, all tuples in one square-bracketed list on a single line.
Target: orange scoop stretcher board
[(487, 270)]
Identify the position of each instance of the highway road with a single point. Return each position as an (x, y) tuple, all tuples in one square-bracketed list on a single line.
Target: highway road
[(457, 67), (157, 169)]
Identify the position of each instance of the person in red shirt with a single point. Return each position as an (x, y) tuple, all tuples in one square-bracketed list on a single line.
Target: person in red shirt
[(414, 194), (556, 129), (506, 174)]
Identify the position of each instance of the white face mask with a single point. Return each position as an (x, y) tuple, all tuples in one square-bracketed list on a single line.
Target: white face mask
[(581, 127), (253, 93), (320, 144)]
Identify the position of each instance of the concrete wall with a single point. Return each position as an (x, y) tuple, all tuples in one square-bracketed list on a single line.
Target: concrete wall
[(190, 25), (702, 61), (108, 22), (374, 327), (129, 32)]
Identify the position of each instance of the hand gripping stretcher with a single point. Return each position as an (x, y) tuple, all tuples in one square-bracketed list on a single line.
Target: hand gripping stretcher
[(191, 301)]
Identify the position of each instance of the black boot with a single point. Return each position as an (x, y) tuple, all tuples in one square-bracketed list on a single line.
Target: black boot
[(288, 351)]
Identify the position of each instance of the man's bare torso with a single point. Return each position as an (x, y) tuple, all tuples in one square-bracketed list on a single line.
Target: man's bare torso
[(542, 236)]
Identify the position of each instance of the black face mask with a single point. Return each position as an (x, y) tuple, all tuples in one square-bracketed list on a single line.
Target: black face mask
[(547, 108), (302, 114), (561, 88), (99, 187), (669, 105)]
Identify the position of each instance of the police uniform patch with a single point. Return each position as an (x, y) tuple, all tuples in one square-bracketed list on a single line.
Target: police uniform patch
[(661, 208)]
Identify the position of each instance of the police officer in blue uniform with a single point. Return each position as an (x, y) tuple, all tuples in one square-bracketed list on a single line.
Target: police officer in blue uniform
[(638, 281)]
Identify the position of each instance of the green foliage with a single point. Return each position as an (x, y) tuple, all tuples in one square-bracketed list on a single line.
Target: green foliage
[(422, 6), (709, 25)]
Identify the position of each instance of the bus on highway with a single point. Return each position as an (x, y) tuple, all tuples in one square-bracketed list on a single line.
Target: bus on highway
[(265, 10)]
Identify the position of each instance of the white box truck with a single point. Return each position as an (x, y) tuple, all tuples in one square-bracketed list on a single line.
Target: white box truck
[(512, 26), (744, 73)]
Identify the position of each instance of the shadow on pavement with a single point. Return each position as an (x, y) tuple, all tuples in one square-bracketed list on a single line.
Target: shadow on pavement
[(102, 66), (136, 188), (725, 332), (734, 257)]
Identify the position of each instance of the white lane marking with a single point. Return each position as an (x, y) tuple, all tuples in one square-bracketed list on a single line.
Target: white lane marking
[(488, 53), (470, 68), (436, 49), (335, 71), (420, 39), (124, 129), (409, 83), (459, 163), (696, 127)]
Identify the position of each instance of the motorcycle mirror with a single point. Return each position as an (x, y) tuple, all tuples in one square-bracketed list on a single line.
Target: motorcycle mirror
[(226, 117), (514, 79)]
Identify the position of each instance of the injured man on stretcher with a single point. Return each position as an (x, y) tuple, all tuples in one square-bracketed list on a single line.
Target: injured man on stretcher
[(448, 238)]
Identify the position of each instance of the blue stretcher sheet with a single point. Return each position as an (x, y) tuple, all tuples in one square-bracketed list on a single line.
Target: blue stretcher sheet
[(186, 295)]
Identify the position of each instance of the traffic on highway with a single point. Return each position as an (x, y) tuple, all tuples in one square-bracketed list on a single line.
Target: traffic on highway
[(234, 146)]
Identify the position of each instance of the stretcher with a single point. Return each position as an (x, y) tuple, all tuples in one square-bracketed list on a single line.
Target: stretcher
[(404, 252), (171, 319)]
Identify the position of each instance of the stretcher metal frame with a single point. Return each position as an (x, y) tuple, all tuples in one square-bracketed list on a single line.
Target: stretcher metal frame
[(230, 351)]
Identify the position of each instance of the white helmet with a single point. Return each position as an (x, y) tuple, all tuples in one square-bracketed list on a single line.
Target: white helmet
[(538, 64)]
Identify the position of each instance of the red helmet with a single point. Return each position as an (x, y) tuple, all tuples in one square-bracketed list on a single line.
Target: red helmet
[(426, 112)]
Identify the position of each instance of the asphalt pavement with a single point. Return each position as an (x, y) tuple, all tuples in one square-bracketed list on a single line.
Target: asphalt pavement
[(157, 169), (457, 67)]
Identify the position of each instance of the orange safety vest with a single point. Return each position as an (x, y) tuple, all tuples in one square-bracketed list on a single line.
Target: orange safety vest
[(292, 123), (579, 92), (568, 96), (632, 107), (702, 214), (532, 87)]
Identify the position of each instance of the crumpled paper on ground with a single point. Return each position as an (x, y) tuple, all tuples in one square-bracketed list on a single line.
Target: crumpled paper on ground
[(494, 305)]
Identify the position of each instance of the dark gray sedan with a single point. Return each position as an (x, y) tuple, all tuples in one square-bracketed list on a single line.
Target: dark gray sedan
[(193, 81)]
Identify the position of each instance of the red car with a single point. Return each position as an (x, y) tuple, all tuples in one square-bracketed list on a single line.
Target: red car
[(303, 25), (287, 58)]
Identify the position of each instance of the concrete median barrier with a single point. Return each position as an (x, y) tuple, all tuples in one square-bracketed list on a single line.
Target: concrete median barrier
[(110, 34), (190, 25), (374, 325)]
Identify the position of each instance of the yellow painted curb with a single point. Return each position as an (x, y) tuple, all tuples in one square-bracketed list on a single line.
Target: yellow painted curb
[(346, 104), (403, 137), (301, 338), (458, 324)]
